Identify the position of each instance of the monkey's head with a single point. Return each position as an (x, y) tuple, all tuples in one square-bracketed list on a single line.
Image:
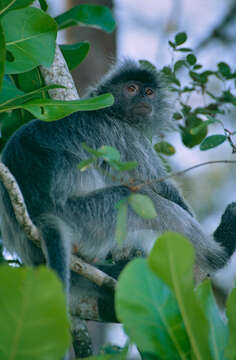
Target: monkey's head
[(140, 96)]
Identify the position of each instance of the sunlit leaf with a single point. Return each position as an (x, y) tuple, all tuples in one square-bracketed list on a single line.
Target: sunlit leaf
[(212, 141), (142, 205), (165, 148), (150, 314), (27, 32), (34, 323), (172, 260), (50, 110)]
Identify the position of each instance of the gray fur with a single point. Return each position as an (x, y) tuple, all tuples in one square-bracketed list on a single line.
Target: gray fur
[(79, 207)]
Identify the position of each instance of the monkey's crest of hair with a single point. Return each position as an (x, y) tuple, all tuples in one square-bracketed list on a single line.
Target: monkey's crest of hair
[(127, 71)]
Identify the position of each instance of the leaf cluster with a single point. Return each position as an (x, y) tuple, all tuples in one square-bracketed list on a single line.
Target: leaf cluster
[(24, 32)]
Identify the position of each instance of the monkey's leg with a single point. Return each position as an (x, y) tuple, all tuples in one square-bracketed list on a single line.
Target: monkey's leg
[(225, 234)]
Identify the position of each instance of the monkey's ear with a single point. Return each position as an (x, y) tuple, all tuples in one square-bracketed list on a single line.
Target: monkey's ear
[(225, 234)]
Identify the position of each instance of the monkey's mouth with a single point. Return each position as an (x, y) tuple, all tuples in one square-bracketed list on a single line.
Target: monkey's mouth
[(142, 109)]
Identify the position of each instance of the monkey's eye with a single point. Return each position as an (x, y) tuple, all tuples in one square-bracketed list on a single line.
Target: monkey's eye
[(132, 89), (149, 92)]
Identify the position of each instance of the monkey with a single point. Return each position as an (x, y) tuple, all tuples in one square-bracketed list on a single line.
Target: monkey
[(74, 208)]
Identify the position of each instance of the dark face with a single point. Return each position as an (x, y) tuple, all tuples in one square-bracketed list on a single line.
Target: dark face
[(139, 99)]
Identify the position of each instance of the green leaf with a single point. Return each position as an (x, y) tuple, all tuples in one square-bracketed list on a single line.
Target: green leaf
[(43, 5), (109, 153), (51, 110), (179, 64), (2, 55), (85, 164), (150, 313), (177, 116), (224, 69), (172, 44), (34, 323), (90, 150), (6, 5), (121, 222), (148, 65), (9, 91), (192, 121), (165, 148), (142, 205), (123, 166), (231, 315), (74, 54), (92, 15), (212, 141), (191, 59), (30, 81), (218, 330), (180, 38), (27, 32), (184, 49), (172, 260), (21, 99), (204, 124)]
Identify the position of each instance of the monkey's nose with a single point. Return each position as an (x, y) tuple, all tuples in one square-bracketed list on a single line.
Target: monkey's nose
[(142, 109)]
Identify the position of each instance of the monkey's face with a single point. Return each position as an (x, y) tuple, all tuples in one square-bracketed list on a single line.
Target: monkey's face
[(137, 100)]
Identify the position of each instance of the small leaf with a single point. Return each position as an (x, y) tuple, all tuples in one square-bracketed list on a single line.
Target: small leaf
[(148, 65), (172, 44), (204, 124), (92, 15), (27, 31), (224, 69), (123, 166), (177, 116), (90, 150), (165, 148), (121, 222), (212, 141), (109, 153), (142, 205), (179, 64), (180, 38), (85, 164), (183, 49), (191, 59), (43, 5), (74, 54), (2, 55)]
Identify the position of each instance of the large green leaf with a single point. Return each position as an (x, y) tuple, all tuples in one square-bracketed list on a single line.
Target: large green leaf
[(231, 315), (34, 324), (2, 55), (150, 313), (93, 15), (74, 54), (172, 259), (50, 110), (218, 334), (6, 5), (28, 31)]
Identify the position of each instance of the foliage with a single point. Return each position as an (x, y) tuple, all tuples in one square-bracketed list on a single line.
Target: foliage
[(24, 31), (34, 323), (164, 315)]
